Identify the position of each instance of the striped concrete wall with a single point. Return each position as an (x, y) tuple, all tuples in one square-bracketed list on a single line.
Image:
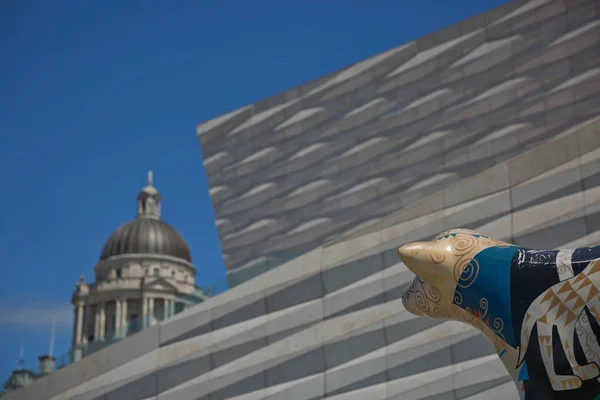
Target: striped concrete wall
[(513, 151), (293, 171)]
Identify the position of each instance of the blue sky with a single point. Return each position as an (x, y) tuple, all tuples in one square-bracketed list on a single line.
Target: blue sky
[(95, 93)]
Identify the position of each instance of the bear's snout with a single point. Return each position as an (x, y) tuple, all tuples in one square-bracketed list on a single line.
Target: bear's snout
[(411, 250)]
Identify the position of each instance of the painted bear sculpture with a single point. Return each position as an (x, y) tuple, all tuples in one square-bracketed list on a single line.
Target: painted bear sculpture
[(540, 309)]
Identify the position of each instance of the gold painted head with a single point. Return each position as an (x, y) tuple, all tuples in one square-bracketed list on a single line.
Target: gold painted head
[(440, 265)]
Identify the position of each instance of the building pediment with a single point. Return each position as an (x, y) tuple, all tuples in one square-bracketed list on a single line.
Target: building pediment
[(159, 284)]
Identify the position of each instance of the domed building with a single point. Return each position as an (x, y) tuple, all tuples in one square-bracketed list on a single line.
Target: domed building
[(144, 275)]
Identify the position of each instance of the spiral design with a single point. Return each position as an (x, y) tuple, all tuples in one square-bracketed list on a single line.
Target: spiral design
[(440, 312), (457, 312), (421, 301), (498, 324), (590, 342), (561, 269), (501, 336), (590, 355), (466, 272), (483, 303), (457, 298), (462, 244), (437, 255), (426, 299), (435, 294)]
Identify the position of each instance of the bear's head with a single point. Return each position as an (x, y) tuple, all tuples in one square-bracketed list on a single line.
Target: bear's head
[(440, 266)]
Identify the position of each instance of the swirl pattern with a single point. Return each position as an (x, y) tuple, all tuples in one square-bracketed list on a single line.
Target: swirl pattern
[(463, 244), (437, 255), (587, 338), (459, 247), (426, 298), (467, 270), (457, 298)]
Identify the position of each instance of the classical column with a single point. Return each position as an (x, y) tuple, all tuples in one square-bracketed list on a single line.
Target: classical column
[(150, 311), (168, 313), (102, 306), (124, 319), (144, 312), (118, 320), (165, 311), (87, 318), (97, 322), (79, 331)]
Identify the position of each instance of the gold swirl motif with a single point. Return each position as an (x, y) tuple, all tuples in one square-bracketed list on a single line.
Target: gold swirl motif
[(562, 269), (427, 299), (588, 339), (463, 244), (562, 263), (483, 303), (500, 336), (458, 313), (440, 312), (421, 300), (437, 255), (498, 324), (457, 298), (466, 272), (435, 294), (493, 242)]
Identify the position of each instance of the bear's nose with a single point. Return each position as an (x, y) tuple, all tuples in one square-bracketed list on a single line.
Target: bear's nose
[(410, 250), (403, 250)]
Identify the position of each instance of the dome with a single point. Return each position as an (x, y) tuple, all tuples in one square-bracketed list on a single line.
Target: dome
[(146, 236)]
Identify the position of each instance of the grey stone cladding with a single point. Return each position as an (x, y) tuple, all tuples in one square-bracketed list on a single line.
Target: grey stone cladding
[(298, 169)]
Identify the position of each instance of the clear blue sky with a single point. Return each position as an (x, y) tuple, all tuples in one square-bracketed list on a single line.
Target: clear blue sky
[(95, 93)]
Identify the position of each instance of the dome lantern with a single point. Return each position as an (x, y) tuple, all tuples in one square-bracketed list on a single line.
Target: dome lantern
[(148, 200)]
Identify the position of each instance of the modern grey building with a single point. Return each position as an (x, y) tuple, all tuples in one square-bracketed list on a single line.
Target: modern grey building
[(492, 124)]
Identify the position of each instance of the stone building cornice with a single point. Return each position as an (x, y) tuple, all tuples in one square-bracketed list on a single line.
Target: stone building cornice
[(143, 258)]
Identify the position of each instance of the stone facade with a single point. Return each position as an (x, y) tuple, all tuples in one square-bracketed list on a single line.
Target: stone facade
[(132, 290)]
